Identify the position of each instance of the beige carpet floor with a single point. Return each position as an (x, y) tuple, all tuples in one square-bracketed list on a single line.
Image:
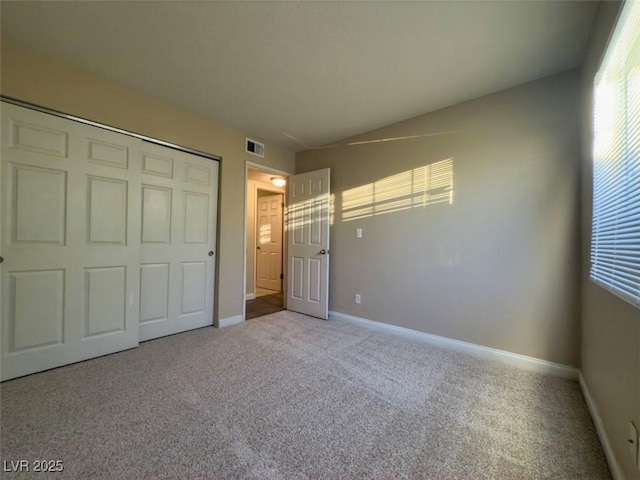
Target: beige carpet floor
[(288, 396)]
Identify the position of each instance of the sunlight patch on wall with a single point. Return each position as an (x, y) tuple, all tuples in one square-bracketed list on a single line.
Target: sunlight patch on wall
[(332, 208), (420, 187)]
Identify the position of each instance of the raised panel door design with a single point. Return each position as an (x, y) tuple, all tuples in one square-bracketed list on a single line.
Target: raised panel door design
[(308, 250), (297, 188), (71, 247), (37, 309), (313, 279), (105, 308), (157, 165), (156, 214), (196, 206), (315, 185), (197, 174), (298, 223), (316, 220), (107, 208), (264, 229), (193, 287), (297, 278), (274, 267), (263, 240), (108, 154), (39, 205), (177, 278), (39, 139), (262, 266), (275, 224), (154, 292)]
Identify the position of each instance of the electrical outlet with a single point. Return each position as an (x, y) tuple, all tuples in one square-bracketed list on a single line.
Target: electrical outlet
[(357, 299), (634, 448), (358, 233)]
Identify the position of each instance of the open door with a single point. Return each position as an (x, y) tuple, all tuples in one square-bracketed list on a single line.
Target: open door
[(308, 243)]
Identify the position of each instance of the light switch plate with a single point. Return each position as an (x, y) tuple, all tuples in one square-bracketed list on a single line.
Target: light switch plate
[(358, 233)]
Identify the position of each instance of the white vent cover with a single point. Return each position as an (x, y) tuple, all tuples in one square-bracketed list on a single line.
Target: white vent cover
[(254, 148)]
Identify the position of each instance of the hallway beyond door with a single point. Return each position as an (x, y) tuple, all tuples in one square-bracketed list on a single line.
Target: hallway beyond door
[(264, 304)]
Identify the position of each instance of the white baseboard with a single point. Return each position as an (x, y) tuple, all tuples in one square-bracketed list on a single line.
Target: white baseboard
[(614, 466), (251, 296), (229, 321), (479, 351)]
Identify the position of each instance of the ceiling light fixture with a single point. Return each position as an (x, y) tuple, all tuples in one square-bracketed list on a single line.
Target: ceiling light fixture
[(278, 181)]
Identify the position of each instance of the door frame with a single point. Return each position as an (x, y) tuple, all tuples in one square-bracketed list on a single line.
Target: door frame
[(257, 166), (255, 232)]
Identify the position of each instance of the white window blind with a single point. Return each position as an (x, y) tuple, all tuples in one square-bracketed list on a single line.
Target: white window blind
[(615, 242)]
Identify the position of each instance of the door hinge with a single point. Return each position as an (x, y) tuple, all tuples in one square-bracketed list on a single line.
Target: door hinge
[(282, 276), (282, 204)]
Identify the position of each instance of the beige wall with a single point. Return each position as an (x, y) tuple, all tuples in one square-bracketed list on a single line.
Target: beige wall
[(610, 326), (47, 82), (251, 228), (497, 267)]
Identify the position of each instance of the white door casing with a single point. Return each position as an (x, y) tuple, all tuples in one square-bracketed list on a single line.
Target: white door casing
[(69, 280), (269, 242), (82, 264), (308, 243), (178, 235)]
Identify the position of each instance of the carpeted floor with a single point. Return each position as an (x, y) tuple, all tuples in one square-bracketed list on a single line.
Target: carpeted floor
[(288, 396)]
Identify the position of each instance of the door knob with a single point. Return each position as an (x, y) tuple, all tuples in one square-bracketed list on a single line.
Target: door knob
[(324, 252), (211, 253), (257, 248)]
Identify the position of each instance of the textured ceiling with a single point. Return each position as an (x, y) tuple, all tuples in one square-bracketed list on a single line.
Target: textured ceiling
[(308, 73)]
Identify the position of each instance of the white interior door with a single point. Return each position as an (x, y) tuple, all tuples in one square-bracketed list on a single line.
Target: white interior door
[(69, 239), (178, 240), (308, 243), (269, 242)]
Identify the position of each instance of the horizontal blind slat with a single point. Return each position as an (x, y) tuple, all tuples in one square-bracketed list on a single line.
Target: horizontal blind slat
[(615, 239)]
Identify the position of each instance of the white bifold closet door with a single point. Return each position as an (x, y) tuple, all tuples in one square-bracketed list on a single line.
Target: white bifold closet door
[(179, 209), (78, 213)]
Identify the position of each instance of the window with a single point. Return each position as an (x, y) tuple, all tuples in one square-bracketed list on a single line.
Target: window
[(615, 242)]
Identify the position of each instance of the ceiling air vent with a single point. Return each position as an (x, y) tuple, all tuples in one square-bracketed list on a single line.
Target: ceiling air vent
[(254, 148)]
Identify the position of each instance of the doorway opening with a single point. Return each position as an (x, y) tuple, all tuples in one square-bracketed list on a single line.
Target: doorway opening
[(265, 244)]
